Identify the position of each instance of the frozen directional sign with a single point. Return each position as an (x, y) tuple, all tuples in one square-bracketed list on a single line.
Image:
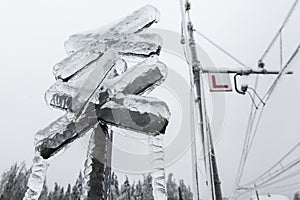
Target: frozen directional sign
[(219, 82)]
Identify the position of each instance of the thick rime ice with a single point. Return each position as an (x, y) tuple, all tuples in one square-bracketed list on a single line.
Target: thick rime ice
[(141, 78), (158, 167), (137, 21), (74, 63), (141, 45), (119, 68), (73, 94), (65, 135), (142, 114), (37, 178), (97, 90), (97, 170), (134, 23)]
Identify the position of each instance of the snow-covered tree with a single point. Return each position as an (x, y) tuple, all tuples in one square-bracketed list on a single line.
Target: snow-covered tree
[(13, 186), (77, 188), (147, 188), (13, 183), (297, 196), (172, 191), (125, 190), (138, 195), (186, 192), (68, 193), (114, 187)]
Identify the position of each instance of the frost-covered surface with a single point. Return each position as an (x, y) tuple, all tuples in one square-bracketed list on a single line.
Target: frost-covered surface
[(141, 45), (97, 166), (141, 78), (156, 148), (37, 178), (134, 23), (143, 114), (96, 89), (74, 63), (73, 94)]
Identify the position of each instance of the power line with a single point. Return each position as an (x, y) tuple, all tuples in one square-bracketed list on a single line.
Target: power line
[(264, 180), (275, 82), (250, 136), (249, 139), (220, 48), (292, 9)]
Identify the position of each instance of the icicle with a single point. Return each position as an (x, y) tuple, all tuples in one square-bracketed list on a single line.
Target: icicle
[(37, 177), (158, 166), (97, 171)]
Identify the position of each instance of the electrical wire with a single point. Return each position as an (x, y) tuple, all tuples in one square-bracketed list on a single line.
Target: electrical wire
[(281, 50), (267, 186), (248, 141), (285, 178), (221, 49), (209, 142), (249, 138), (282, 71), (287, 185), (252, 99), (257, 95), (279, 163), (292, 9), (265, 180), (266, 97)]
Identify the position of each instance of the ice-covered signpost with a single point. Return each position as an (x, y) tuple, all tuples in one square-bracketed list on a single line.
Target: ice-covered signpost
[(98, 90)]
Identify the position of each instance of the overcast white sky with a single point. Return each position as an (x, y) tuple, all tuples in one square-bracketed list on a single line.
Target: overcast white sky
[(31, 42)]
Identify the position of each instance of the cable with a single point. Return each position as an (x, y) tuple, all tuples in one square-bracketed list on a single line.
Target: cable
[(252, 99), (255, 130), (275, 171), (292, 9), (248, 141), (287, 177), (248, 188), (256, 94), (221, 49), (247, 145), (266, 97), (280, 161), (275, 82), (281, 50), (250, 136), (208, 142), (287, 185)]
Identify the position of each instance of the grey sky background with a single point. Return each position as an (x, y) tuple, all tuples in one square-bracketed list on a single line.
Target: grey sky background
[(32, 37)]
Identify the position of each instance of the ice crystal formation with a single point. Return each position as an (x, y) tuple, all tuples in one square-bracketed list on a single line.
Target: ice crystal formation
[(97, 90)]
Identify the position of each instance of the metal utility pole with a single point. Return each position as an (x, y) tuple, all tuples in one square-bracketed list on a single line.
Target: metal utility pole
[(196, 68), (216, 178), (256, 192), (193, 135), (196, 80)]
